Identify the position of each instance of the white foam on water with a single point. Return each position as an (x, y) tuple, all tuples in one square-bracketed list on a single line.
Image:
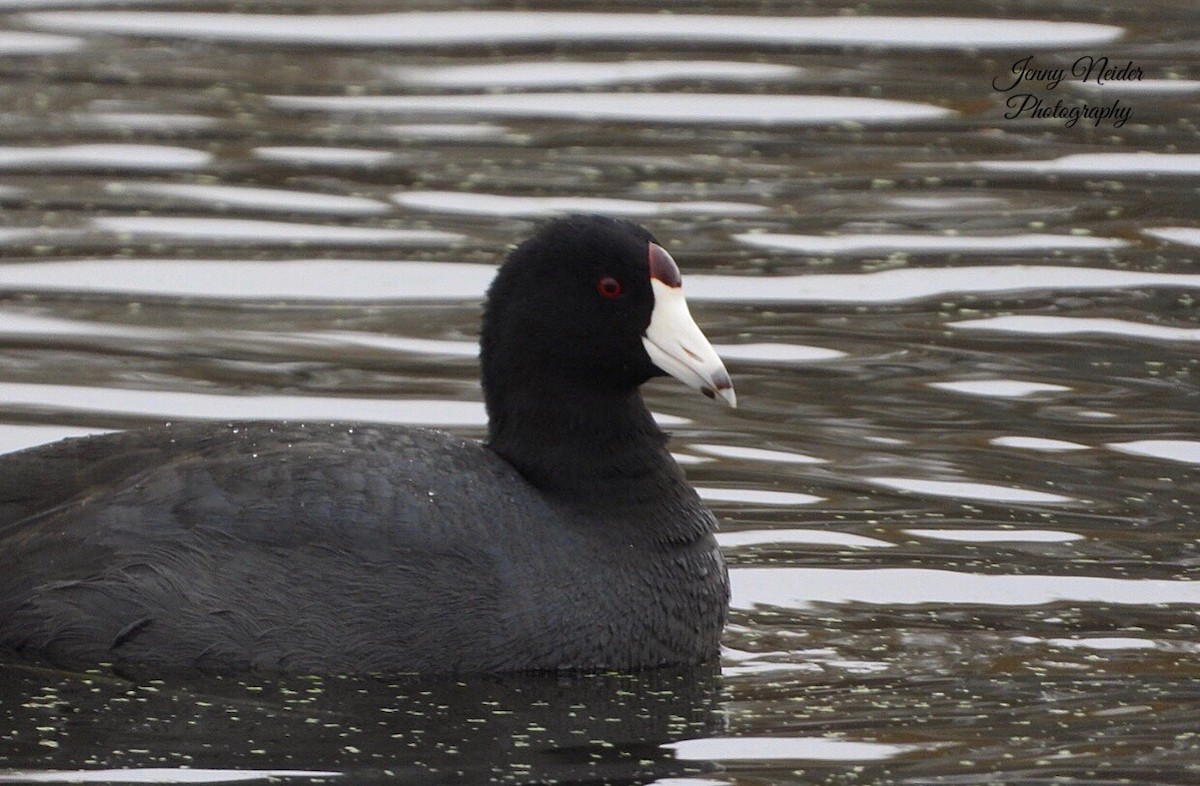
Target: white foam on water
[(996, 535), (756, 496), (802, 587), (449, 131), (1059, 326), (36, 326), (500, 205), (14, 43), (1182, 450), (1105, 644), (784, 749), (1184, 236), (554, 73), (913, 243), (422, 29), (756, 454), (403, 280), (19, 437), (157, 775), (950, 202), (317, 279), (273, 199), (915, 283), (30, 325), (1102, 164), (422, 346), (1000, 388), (777, 352), (806, 537), (129, 157), (686, 108), (41, 234), (243, 229), (170, 405), (1150, 87), (143, 121), (175, 405), (1037, 443), (968, 490), (323, 156)]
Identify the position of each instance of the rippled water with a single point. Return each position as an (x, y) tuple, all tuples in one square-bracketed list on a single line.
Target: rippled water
[(960, 493)]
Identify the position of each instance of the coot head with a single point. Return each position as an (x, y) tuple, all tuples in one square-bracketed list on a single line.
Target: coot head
[(577, 318), (592, 306)]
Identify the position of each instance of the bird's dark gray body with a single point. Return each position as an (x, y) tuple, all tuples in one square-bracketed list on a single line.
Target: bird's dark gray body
[(347, 548), (571, 539)]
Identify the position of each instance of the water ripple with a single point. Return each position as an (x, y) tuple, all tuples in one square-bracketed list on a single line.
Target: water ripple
[(786, 748), (913, 283), (1037, 443), (174, 405), (475, 27), (322, 156), (913, 243), (273, 199), (756, 496), (1002, 388), (968, 490), (1057, 326), (15, 43), (802, 587), (1103, 164), (316, 279), (801, 537), (501, 205), (689, 108), (243, 229), (554, 73), (160, 775), (1186, 236), (996, 536), (1182, 450), (120, 157)]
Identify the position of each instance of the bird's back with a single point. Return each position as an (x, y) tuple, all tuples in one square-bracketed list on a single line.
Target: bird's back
[(329, 548)]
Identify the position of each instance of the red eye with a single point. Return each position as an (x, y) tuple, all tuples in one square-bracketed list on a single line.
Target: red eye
[(609, 287)]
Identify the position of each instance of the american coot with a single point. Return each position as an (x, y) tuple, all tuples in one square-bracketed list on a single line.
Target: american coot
[(570, 539)]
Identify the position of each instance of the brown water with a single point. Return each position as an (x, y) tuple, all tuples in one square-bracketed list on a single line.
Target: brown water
[(959, 496)]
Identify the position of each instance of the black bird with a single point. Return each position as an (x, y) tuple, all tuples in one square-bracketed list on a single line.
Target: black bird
[(570, 539)]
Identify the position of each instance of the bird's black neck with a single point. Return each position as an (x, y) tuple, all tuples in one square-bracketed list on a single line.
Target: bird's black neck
[(599, 448)]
